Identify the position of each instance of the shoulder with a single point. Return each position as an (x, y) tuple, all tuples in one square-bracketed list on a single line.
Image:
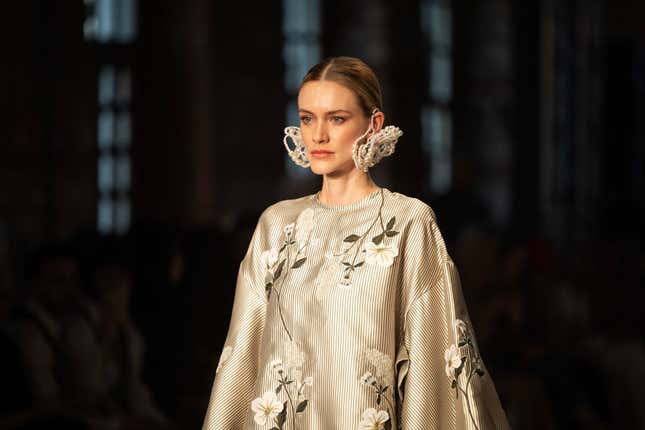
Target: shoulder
[(419, 226), (414, 209)]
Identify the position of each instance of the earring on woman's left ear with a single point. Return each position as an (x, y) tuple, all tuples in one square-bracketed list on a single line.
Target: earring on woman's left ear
[(377, 146), (298, 154)]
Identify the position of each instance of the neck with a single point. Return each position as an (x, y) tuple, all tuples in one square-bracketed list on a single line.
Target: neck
[(346, 189)]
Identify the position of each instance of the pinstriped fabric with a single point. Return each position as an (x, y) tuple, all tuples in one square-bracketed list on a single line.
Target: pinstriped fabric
[(342, 319)]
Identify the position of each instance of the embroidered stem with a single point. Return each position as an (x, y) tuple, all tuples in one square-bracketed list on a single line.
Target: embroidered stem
[(366, 231), (281, 317), (389, 402), (293, 410), (284, 275), (467, 400)]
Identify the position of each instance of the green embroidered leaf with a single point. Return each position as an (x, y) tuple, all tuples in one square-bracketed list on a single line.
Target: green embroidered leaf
[(377, 239), (345, 263), (282, 416), (277, 390), (462, 343), (278, 271), (288, 382), (384, 389), (391, 233), (387, 425), (299, 263), (274, 428), (359, 264), (282, 248), (454, 384), (378, 399), (480, 372), (302, 406), (390, 223), (351, 238)]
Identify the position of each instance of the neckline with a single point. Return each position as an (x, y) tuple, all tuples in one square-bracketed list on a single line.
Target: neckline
[(354, 205)]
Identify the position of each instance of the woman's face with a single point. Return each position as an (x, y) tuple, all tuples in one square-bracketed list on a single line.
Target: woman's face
[(331, 119)]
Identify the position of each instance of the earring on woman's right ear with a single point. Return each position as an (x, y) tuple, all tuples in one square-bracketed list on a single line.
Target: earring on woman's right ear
[(298, 154)]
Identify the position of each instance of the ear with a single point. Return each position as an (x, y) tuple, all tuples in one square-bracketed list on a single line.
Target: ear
[(379, 120)]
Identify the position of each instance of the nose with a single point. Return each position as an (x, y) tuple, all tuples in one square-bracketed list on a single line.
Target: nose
[(320, 133)]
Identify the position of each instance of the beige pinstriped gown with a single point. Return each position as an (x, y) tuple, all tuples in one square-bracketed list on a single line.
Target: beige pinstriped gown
[(350, 317)]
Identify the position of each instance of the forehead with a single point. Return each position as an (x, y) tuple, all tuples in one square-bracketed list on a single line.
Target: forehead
[(326, 96)]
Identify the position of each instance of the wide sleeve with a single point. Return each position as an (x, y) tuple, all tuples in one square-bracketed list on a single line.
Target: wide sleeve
[(237, 369), (442, 381)]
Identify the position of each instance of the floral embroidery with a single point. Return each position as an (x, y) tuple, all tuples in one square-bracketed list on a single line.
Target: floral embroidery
[(291, 384), (223, 358), (469, 364), (384, 374), (266, 407), (374, 420), (288, 229), (453, 360), (380, 254), (277, 262), (377, 252), (269, 258)]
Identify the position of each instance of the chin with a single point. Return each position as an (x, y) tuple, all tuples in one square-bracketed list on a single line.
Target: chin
[(332, 169)]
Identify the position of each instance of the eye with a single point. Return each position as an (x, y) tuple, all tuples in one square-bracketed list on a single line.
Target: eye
[(338, 119), (305, 119)]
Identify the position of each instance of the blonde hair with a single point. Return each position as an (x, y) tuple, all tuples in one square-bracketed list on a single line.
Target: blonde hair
[(353, 74)]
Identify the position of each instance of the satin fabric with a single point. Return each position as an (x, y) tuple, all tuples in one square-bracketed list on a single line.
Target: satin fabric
[(350, 317)]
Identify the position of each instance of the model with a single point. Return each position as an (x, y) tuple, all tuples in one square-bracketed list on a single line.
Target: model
[(348, 311)]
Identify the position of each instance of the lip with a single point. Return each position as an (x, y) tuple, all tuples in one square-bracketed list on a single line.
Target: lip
[(321, 154)]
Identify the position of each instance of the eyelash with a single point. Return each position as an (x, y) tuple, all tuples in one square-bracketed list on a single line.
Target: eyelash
[(335, 119)]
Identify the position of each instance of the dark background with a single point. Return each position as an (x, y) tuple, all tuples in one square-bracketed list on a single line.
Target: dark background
[(544, 212)]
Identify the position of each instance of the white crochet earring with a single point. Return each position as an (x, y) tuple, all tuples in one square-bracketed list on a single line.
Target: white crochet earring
[(378, 145), (298, 154)]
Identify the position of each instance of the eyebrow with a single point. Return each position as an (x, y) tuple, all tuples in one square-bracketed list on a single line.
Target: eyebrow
[(328, 113)]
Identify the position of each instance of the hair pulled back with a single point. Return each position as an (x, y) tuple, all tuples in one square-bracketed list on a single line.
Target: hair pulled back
[(351, 73)]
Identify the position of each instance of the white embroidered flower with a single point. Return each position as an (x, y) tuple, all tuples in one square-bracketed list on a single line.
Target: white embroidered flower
[(380, 254), (288, 229), (373, 419), (383, 365), (345, 284), (307, 382), (223, 358), (269, 258), (277, 365), (368, 379), (266, 407), (295, 356), (304, 224), (453, 360)]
